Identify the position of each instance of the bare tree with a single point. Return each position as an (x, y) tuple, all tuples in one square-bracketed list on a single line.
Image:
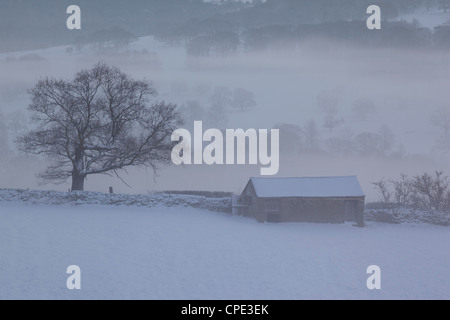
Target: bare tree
[(341, 143), (291, 138), (328, 104), (363, 109), (311, 136), (101, 122), (220, 101), (368, 144), (192, 111), (431, 192), (387, 139), (382, 187), (222, 96), (243, 99), (403, 189), (330, 121)]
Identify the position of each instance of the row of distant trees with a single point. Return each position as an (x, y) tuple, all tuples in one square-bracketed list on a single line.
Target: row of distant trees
[(213, 37), (393, 34), (265, 24), (429, 192), (222, 101), (311, 137), (104, 40), (295, 139), (327, 103), (178, 21), (364, 109)]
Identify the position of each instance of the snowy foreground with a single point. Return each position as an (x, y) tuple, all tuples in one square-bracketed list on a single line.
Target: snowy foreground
[(132, 252)]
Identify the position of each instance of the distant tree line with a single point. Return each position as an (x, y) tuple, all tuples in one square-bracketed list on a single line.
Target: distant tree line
[(221, 102), (393, 34), (307, 139), (214, 28)]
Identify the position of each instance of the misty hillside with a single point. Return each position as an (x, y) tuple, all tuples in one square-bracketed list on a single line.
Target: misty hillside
[(26, 24), (320, 97), (346, 100)]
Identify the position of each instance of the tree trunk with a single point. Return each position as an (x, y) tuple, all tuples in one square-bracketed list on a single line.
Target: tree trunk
[(77, 182), (78, 166)]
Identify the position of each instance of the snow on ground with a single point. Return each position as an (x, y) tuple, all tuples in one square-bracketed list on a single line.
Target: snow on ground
[(132, 252)]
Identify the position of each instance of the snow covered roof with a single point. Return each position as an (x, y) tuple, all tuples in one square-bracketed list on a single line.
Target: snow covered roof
[(314, 187)]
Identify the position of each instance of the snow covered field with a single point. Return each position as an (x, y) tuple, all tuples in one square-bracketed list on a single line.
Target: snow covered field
[(132, 252)]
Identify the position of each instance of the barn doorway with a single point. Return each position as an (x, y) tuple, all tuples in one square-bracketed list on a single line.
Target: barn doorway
[(350, 210)]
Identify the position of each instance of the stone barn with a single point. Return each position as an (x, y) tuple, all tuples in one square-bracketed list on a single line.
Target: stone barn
[(318, 199)]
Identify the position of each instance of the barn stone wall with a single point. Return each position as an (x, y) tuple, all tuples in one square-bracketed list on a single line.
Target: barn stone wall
[(319, 210)]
